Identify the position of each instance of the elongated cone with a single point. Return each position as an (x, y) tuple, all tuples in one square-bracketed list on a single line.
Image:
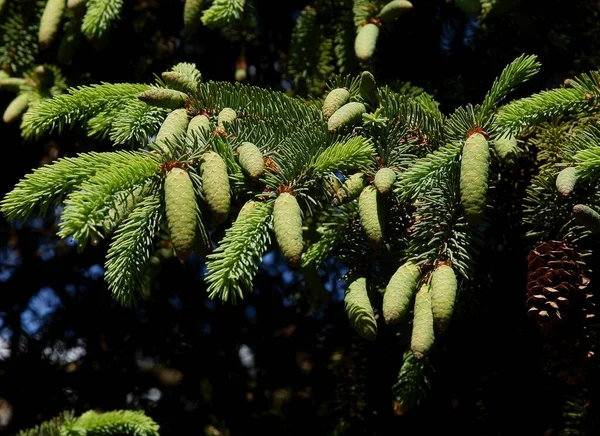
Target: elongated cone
[(587, 217), (191, 14), (179, 81), (371, 215), (50, 21), (180, 206), (335, 99), (394, 9), (226, 116), (368, 89), (365, 42), (422, 333), (174, 127), (350, 189), (287, 223), (198, 125), (384, 180), (73, 4), (474, 170), (507, 150), (443, 295), (215, 183), (348, 115), (359, 309), (400, 291), (162, 97), (566, 181), (251, 160), (16, 108), (11, 83)]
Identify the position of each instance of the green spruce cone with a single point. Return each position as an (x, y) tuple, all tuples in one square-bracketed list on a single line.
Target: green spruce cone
[(399, 292), (198, 127), (226, 116), (180, 82), (365, 42), (443, 295), (162, 97), (287, 222), (350, 189), (191, 14), (50, 21), (2, 4), (251, 160), (74, 4), (12, 84), (368, 89), (394, 9), (348, 115), (566, 181), (422, 333), (16, 108), (174, 127), (215, 183), (359, 309), (241, 74), (587, 217), (507, 150), (335, 99), (180, 206), (384, 180), (474, 170), (371, 215)]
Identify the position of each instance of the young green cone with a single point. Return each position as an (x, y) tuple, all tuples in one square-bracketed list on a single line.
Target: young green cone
[(226, 116), (11, 83), (180, 206), (347, 115), (399, 292), (371, 215), (566, 181), (335, 99), (215, 183), (287, 223), (359, 310), (173, 127), (507, 150), (474, 170), (16, 108), (192, 11), (443, 295), (350, 189), (251, 160), (384, 180), (368, 89), (162, 97), (394, 9), (365, 42), (587, 217), (179, 82), (50, 21), (422, 333), (198, 125)]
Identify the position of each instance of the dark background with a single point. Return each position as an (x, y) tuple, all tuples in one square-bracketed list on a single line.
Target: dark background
[(285, 360)]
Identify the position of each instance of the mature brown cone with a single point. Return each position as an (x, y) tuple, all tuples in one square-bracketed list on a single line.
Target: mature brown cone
[(561, 304)]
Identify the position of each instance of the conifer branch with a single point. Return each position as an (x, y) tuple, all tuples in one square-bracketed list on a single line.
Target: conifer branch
[(588, 164), (19, 36), (353, 154), (136, 123), (78, 106), (517, 72), (129, 251), (420, 176), (49, 184), (223, 12), (413, 383), (118, 422), (99, 16), (234, 263), (87, 208), (49, 428)]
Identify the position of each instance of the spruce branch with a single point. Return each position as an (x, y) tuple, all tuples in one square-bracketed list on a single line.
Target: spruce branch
[(99, 16), (517, 72), (413, 383), (136, 123), (78, 106), (121, 422), (19, 36), (352, 154), (223, 12), (49, 184), (234, 263), (420, 176), (87, 208), (51, 427), (129, 251), (588, 164)]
